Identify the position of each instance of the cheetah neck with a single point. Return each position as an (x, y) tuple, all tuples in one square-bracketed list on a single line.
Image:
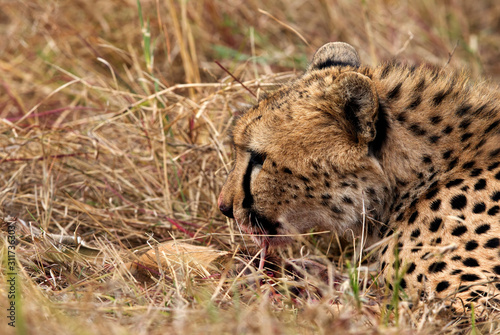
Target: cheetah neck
[(434, 128)]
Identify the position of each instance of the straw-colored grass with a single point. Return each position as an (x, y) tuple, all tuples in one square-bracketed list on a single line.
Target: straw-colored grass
[(114, 121)]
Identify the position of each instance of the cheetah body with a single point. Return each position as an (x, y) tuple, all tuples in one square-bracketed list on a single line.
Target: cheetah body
[(412, 152)]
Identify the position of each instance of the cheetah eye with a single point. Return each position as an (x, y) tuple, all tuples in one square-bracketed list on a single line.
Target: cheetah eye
[(257, 159)]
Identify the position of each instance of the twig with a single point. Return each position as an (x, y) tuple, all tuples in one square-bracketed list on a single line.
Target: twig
[(236, 79)]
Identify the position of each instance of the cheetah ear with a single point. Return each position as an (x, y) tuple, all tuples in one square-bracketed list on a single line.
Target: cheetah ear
[(357, 98), (334, 54)]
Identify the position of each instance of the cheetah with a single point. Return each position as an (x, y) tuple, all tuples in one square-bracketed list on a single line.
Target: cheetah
[(411, 151)]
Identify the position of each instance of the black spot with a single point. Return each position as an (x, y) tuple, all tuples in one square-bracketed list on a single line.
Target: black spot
[(497, 176), (495, 196), (454, 182), (492, 243), (468, 165), (458, 201), (426, 159), (471, 245), (303, 178), (435, 224), (456, 272), (336, 209), (447, 154), (437, 267), (438, 98), (479, 208), (476, 172), (493, 210), (462, 110), (496, 269), (413, 217), (411, 268), (469, 277), (447, 130), (436, 119), (494, 153), (456, 258), (417, 248), (415, 233), (452, 164), (464, 124), (465, 137), (401, 117), (459, 230), (347, 200), (493, 166), (476, 294), (480, 144), (441, 286), (417, 130), (471, 262), (480, 185), (384, 251), (287, 170), (415, 103), (400, 217), (387, 68), (435, 205), (492, 126), (413, 203), (482, 229), (402, 283), (420, 86), (421, 278), (433, 139), (431, 193), (394, 93)]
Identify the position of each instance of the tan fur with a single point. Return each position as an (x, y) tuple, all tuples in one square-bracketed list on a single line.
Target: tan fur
[(410, 147)]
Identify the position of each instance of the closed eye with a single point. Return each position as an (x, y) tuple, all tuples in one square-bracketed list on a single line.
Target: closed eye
[(257, 159)]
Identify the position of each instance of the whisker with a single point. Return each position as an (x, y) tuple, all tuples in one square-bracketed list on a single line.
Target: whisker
[(241, 234)]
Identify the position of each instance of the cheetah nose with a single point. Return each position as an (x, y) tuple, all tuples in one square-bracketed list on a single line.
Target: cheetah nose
[(226, 209)]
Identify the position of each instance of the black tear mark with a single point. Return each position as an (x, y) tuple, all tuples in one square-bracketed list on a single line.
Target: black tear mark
[(256, 159)]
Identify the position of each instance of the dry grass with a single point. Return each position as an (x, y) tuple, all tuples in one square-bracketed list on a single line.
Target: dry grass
[(114, 128)]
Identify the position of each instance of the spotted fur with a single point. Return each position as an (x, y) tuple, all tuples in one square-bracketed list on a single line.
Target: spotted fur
[(417, 149)]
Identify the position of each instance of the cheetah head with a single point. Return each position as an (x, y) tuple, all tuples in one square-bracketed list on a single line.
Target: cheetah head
[(306, 155)]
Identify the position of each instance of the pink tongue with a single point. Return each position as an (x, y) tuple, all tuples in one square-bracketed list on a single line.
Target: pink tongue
[(263, 253)]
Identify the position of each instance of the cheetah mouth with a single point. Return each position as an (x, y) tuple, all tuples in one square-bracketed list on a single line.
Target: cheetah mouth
[(264, 232)]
